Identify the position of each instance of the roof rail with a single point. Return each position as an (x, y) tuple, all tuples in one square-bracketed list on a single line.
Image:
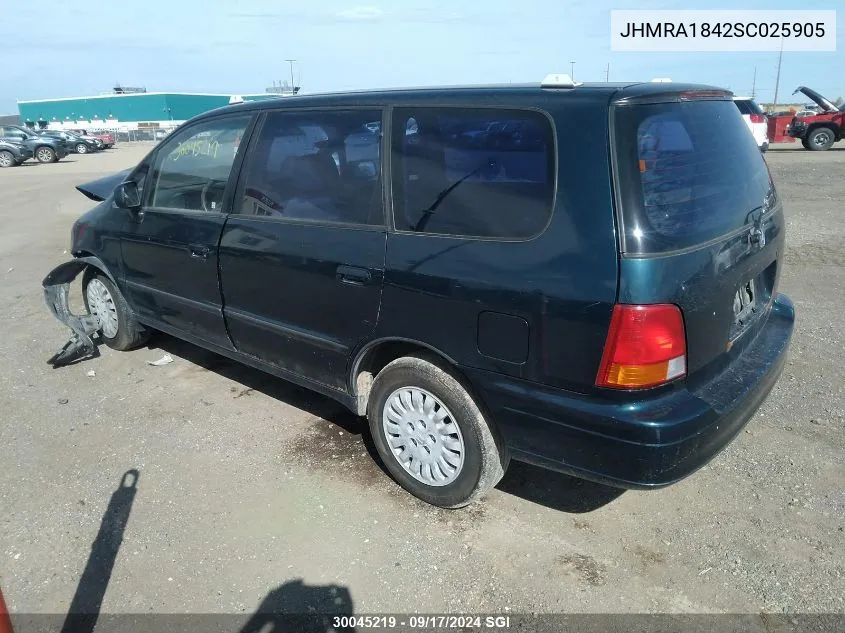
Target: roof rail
[(558, 80)]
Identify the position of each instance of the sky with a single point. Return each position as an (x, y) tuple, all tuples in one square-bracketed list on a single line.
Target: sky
[(63, 49)]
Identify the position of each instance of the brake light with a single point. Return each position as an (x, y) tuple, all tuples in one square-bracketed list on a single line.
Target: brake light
[(645, 347), (758, 118)]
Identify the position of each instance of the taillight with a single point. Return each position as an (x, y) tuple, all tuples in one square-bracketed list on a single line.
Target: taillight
[(758, 118), (645, 347)]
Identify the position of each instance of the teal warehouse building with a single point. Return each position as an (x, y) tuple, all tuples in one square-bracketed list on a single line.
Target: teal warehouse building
[(125, 112)]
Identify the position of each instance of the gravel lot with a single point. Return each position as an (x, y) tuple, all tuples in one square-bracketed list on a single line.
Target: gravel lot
[(247, 484)]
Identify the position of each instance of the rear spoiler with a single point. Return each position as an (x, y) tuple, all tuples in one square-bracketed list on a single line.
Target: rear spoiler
[(664, 92)]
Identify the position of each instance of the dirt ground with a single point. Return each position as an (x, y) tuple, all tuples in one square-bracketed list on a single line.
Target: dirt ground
[(247, 486)]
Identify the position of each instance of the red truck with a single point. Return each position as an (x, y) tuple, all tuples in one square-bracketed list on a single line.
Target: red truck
[(820, 131)]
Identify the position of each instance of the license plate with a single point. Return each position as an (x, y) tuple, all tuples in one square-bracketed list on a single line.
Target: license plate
[(745, 303)]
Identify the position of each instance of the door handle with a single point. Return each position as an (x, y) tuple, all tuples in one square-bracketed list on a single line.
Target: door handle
[(198, 251), (353, 275)]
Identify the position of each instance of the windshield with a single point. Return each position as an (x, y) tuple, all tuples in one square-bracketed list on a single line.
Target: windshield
[(688, 173)]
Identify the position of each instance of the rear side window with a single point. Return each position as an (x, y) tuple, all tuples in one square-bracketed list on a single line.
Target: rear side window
[(687, 173), (472, 172)]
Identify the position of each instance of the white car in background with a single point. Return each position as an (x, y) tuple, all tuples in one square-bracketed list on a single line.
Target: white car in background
[(755, 119)]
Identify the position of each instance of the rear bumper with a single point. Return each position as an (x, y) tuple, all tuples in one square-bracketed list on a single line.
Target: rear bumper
[(646, 443)]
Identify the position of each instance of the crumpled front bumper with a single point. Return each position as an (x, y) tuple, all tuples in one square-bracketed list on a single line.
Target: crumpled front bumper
[(796, 130), (56, 286)]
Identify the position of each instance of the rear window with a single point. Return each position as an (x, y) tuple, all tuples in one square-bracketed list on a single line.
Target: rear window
[(687, 173), (748, 106)]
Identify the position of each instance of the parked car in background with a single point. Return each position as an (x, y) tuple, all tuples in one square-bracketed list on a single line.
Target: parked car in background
[(804, 113), (477, 300), (107, 139), (89, 137), (755, 119), (46, 149), (820, 130), (77, 144), (13, 153)]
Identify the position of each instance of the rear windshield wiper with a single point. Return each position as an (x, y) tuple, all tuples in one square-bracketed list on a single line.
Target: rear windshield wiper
[(426, 214)]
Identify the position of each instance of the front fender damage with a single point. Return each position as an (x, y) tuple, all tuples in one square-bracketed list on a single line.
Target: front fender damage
[(56, 287)]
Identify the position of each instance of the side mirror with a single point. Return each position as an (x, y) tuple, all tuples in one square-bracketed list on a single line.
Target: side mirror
[(127, 196)]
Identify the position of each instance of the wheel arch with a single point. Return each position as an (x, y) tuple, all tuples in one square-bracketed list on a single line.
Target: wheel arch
[(375, 355), (832, 125), (95, 263)]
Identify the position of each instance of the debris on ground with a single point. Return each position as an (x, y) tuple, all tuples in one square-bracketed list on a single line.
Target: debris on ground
[(91, 373), (164, 360)]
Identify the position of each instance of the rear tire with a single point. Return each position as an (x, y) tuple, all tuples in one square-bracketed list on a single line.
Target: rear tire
[(45, 155), (820, 139), (419, 411), (7, 159), (121, 330)]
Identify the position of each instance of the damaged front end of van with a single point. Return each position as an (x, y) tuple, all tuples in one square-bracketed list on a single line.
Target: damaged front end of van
[(56, 285)]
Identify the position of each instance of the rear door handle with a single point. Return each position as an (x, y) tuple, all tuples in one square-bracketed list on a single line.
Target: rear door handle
[(199, 251), (353, 275)]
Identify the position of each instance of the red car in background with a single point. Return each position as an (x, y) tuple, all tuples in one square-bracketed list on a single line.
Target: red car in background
[(107, 138), (820, 131)]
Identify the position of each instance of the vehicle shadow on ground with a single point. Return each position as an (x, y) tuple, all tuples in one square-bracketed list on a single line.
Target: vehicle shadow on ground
[(277, 388), (554, 490), (295, 607)]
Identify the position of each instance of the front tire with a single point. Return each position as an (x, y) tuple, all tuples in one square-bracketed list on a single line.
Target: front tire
[(81, 148), (7, 159), (120, 329), (46, 155), (820, 139), (431, 435)]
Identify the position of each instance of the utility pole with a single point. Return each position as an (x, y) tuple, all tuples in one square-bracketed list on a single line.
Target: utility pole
[(607, 73), (572, 70), (754, 84), (777, 79), (291, 62)]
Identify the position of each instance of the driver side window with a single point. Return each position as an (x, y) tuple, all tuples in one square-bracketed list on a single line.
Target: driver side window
[(192, 167)]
